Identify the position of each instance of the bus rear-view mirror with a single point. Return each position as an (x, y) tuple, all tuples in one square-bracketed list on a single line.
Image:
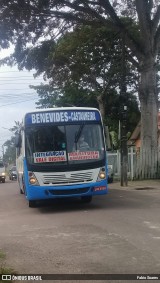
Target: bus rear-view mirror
[(108, 140), (17, 140)]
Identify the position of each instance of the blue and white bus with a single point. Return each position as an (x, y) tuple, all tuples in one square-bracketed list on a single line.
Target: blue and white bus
[(50, 162)]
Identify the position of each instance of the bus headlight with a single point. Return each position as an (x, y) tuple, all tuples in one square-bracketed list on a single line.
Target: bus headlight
[(32, 179), (102, 174), (3, 174)]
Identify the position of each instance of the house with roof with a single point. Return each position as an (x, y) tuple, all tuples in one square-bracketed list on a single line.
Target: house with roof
[(135, 139)]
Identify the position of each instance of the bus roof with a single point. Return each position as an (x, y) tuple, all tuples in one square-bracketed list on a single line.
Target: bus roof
[(61, 108)]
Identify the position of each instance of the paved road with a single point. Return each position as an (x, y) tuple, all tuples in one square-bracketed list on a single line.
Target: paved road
[(118, 233)]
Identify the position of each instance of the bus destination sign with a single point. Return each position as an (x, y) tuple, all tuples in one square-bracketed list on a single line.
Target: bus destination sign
[(61, 116)]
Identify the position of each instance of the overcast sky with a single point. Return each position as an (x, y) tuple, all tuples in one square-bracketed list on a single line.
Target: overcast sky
[(16, 98)]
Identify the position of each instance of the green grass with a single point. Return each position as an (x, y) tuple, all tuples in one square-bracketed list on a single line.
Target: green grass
[(3, 268), (2, 255)]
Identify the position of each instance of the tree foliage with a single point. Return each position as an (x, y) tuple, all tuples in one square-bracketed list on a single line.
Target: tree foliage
[(25, 23), (84, 65), (9, 156), (29, 22)]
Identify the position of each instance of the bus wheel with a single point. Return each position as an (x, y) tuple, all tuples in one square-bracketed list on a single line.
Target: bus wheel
[(20, 189), (86, 199), (32, 203), (23, 189)]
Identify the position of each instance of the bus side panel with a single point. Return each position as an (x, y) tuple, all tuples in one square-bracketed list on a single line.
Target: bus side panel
[(25, 178)]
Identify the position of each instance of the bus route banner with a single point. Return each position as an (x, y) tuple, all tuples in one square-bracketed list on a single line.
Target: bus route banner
[(68, 116), (92, 277)]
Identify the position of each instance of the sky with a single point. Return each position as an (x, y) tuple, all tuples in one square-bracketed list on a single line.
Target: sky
[(16, 98)]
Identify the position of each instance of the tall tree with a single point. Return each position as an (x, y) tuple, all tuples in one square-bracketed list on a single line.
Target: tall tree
[(32, 20), (9, 157), (10, 150), (16, 127), (72, 95), (87, 57), (90, 57)]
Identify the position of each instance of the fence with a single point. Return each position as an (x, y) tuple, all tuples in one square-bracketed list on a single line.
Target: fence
[(114, 159)]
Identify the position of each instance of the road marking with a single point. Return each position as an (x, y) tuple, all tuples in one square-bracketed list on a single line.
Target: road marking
[(152, 226), (157, 238)]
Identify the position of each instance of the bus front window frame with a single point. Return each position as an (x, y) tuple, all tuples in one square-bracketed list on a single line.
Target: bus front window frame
[(67, 145)]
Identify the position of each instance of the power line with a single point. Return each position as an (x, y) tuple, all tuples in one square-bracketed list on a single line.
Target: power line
[(9, 82), (14, 71), (14, 77), (16, 102), (12, 80), (16, 94), (11, 89), (19, 96), (24, 77), (6, 95)]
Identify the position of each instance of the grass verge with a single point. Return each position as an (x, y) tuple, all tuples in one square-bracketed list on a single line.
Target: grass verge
[(3, 268)]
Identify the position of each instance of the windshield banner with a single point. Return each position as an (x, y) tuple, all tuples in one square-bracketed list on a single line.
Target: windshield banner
[(49, 156), (61, 116), (83, 155), (59, 156)]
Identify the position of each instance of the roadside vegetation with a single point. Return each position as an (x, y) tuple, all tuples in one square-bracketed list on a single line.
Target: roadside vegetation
[(3, 268)]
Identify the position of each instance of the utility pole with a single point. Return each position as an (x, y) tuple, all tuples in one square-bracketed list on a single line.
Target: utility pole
[(123, 132), (124, 149)]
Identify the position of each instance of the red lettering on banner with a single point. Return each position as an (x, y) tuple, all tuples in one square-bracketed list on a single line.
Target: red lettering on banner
[(41, 159), (83, 155), (50, 159)]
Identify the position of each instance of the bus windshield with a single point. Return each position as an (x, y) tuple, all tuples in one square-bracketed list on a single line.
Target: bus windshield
[(64, 144)]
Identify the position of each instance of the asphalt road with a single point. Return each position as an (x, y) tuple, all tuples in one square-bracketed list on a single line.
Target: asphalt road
[(115, 234)]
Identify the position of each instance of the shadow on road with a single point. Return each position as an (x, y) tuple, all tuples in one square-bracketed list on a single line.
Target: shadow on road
[(70, 205), (116, 199)]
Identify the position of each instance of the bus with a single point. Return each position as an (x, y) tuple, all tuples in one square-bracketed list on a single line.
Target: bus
[(61, 153)]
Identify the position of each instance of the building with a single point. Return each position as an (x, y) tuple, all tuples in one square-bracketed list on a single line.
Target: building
[(135, 139)]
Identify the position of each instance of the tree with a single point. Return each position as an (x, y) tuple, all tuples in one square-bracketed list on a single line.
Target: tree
[(75, 96), (10, 152), (86, 59), (34, 19), (9, 156), (16, 127), (91, 58), (85, 67)]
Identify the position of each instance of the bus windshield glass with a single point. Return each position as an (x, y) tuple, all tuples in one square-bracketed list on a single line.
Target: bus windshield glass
[(64, 144)]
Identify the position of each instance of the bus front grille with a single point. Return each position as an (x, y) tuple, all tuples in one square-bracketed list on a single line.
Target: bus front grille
[(69, 191), (69, 178)]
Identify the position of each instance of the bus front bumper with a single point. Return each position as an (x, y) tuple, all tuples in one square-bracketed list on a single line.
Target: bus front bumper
[(53, 192)]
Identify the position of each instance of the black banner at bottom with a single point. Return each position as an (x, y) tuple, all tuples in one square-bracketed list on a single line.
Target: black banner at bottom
[(92, 277)]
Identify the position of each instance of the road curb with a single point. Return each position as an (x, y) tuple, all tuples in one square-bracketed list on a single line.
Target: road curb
[(137, 185)]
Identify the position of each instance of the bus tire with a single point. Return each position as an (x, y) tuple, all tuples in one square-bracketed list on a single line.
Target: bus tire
[(86, 199), (32, 203), (23, 187), (20, 189), (3, 181)]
